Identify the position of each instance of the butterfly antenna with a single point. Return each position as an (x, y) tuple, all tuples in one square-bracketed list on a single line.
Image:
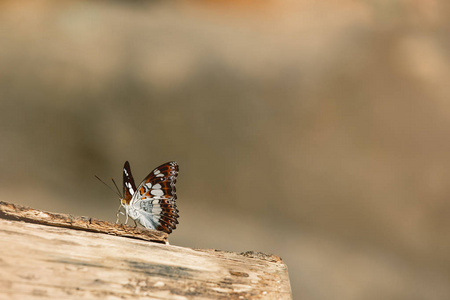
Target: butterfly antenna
[(120, 196), (118, 191)]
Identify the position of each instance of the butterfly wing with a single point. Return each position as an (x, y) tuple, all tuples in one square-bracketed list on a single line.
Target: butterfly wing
[(129, 187), (155, 198)]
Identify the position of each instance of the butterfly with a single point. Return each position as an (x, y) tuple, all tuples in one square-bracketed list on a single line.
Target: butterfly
[(153, 202)]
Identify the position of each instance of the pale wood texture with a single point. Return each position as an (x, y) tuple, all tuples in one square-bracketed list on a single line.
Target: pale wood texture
[(27, 214), (48, 262)]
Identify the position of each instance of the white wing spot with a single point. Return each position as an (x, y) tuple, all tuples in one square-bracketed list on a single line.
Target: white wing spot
[(156, 172), (160, 175), (156, 219), (149, 185), (156, 211), (157, 186), (129, 187), (157, 192)]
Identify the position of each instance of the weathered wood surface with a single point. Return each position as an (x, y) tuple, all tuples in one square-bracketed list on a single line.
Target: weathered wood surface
[(47, 262), (23, 213)]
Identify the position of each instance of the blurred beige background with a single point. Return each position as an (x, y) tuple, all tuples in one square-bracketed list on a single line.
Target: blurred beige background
[(315, 130)]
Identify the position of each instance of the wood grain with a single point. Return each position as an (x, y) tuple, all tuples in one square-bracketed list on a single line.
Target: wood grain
[(58, 262)]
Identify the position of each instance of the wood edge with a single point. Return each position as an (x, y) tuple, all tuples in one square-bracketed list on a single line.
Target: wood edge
[(273, 258), (27, 214)]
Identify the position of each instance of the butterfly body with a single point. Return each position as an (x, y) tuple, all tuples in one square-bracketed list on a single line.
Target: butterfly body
[(153, 202)]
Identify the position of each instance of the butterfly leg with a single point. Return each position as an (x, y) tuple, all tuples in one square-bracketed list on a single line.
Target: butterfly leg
[(135, 224), (126, 220), (118, 214)]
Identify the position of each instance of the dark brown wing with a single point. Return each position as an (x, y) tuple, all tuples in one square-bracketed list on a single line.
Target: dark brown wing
[(129, 187)]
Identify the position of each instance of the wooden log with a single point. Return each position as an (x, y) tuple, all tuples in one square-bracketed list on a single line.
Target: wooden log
[(59, 262)]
